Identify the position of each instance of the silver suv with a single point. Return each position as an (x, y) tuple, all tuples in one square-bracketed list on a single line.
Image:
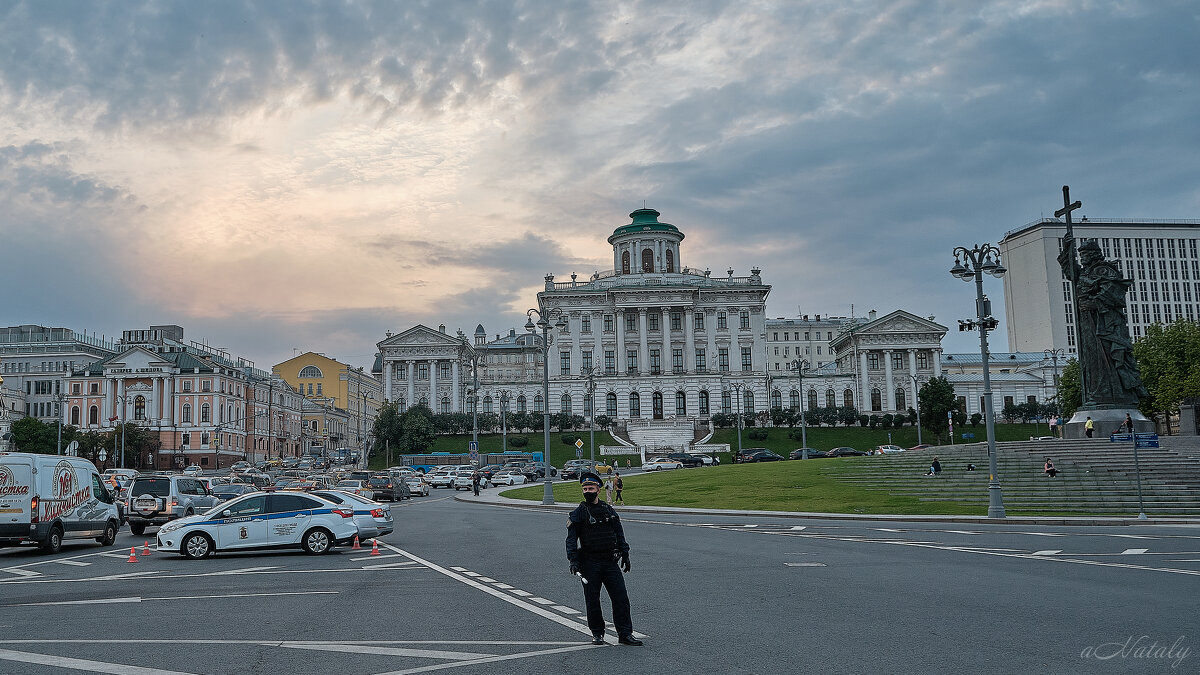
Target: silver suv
[(154, 500)]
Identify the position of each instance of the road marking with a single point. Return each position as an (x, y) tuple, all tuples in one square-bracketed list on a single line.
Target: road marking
[(83, 664), (523, 594), (541, 601), (1132, 536), (21, 573), (374, 557), (387, 651), (472, 574), (244, 570), (98, 601), (137, 599), (73, 563), (961, 532), (393, 566), (459, 569), (1134, 551), (1053, 551), (804, 564), (500, 585), (490, 659), (799, 527), (487, 580), (887, 529), (566, 610)]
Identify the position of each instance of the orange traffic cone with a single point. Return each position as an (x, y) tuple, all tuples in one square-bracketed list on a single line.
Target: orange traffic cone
[(146, 548), (374, 547), (132, 557), (356, 546)]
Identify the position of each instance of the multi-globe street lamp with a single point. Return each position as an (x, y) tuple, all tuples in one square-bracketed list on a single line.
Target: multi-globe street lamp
[(974, 263), (544, 316), (799, 365), (1054, 355), (737, 387), (917, 399), (505, 395), (591, 374)]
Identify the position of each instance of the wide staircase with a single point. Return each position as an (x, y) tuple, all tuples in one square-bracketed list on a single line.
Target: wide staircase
[(1095, 477), (659, 435)]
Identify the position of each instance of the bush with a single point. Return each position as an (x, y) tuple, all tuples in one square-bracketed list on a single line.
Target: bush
[(975, 418), (874, 421), (569, 439), (863, 420), (886, 422), (518, 441), (757, 434)]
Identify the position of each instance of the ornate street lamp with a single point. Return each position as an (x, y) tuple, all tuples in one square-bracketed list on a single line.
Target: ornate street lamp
[(544, 316), (591, 374), (974, 263), (799, 365)]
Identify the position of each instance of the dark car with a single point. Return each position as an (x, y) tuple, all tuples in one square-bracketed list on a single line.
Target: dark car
[(230, 490), (761, 456), (688, 461), (845, 452), (574, 468), (745, 454), (387, 487), (798, 453), (537, 471)]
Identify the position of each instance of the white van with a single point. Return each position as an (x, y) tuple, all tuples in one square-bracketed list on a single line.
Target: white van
[(45, 499)]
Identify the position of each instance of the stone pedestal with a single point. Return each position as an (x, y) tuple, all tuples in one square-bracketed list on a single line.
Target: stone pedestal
[(1189, 420), (1105, 420)]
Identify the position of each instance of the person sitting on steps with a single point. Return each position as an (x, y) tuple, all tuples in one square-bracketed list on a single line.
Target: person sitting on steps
[(935, 468), (1050, 470)]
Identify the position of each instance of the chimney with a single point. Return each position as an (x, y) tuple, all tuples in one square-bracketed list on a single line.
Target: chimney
[(441, 328), (871, 315)]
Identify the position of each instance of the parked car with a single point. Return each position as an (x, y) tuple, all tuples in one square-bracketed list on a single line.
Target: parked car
[(260, 520), (845, 452), (158, 499), (417, 485), (439, 479), (709, 460), (385, 486), (357, 487), (886, 449), (239, 467), (511, 477), (192, 470), (228, 491), (798, 453), (463, 480), (685, 459), (574, 468), (49, 498), (662, 463), (536, 471), (372, 518), (740, 456), (761, 455)]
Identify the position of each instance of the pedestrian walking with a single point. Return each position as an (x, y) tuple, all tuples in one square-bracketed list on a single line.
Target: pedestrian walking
[(595, 545), (475, 478), (619, 485), (1089, 426), (1128, 423), (608, 490), (1054, 425)]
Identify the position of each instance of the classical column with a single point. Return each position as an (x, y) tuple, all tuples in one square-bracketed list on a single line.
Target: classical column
[(689, 342), (411, 373), (433, 399), (864, 397), (159, 407), (644, 354), (576, 348), (912, 370), (455, 405), (106, 410), (710, 327), (620, 319), (937, 363), (889, 400), (120, 401), (168, 406), (387, 378)]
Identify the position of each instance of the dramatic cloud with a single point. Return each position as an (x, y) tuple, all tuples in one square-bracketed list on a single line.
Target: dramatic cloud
[(308, 175)]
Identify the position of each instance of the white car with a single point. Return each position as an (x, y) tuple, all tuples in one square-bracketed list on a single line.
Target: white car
[(192, 470), (661, 463), (441, 478), (888, 449), (463, 480), (417, 485), (507, 477), (358, 487), (373, 519), (261, 520), (707, 459)]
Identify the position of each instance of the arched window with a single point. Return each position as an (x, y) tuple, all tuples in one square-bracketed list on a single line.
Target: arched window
[(538, 404), (139, 408), (748, 402), (647, 260), (635, 405), (703, 402), (900, 399), (794, 400), (726, 402), (830, 398), (625, 262), (205, 413), (610, 404), (776, 400), (75, 415), (487, 404), (670, 261), (445, 405), (876, 400), (565, 404), (187, 413), (402, 404), (310, 372), (521, 403), (848, 398), (93, 415), (205, 439), (812, 399), (680, 404), (469, 404), (424, 401)]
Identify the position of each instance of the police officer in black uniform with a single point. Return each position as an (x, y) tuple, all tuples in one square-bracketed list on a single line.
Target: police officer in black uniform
[(595, 544)]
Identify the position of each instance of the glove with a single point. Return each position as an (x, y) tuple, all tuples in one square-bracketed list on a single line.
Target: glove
[(574, 568), (625, 562)]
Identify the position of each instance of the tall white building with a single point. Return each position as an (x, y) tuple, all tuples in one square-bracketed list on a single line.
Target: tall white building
[(1161, 257)]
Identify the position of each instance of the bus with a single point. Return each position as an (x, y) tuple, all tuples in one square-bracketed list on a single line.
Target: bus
[(428, 461)]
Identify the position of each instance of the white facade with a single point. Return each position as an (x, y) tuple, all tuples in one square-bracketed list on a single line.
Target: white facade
[(1162, 257), (425, 366), (884, 361)]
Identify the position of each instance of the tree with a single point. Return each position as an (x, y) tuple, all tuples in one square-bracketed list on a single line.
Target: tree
[(847, 415), (937, 400), (603, 421), (1168, 357), (30, 434), (1070, 392)]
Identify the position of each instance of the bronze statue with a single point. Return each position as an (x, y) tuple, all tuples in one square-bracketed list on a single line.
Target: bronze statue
[(1109, 370)]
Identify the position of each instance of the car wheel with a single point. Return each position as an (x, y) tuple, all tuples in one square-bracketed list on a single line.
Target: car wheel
[(53, 543), (110, 534), (317, 541), (138, 529), (196, 546)]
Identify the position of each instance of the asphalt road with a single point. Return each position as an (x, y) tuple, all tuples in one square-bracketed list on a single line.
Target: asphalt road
[(474, 588)]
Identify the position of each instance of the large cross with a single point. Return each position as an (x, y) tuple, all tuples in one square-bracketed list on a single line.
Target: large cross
[(1066, 210), (1068, 207)]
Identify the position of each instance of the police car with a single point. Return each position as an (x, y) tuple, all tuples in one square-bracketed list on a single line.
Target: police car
[(261, 520)]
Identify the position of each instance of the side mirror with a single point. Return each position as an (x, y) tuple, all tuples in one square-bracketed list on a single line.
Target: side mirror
[(225, 513)]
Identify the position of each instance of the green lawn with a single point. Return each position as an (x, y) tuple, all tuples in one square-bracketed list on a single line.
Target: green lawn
[(773, 486), (559, 453)]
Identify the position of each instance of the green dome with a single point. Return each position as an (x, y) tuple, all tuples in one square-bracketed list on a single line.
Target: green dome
[(644, 220)]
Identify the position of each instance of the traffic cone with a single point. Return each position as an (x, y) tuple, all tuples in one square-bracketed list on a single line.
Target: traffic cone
[(132, 557), (374, 547), (146, 548), (356, 546)]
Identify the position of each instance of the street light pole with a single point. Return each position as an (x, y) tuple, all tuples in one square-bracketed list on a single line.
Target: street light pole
[(1054, 355), (504, 395), (58, 400), (917, 399), (799, 365), (737, 388), (591, 375), (544, 315), (980, 259)]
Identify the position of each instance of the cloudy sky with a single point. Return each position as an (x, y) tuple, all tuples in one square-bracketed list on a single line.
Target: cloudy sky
[(308, 175)]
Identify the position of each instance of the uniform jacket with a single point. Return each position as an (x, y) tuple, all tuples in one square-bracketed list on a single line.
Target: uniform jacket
[(588, 525)]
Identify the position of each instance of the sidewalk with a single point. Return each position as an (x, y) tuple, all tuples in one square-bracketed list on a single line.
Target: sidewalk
[(492, 497)]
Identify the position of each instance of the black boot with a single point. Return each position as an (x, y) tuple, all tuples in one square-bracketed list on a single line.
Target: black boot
[(597, 639), (629, 640)]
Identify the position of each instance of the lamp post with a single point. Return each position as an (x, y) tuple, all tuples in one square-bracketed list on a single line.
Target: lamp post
[(59, 398), (504, 396), (474, 358), (737, 388), (1054, 355), (591, 374), (544, 315), (980, 259), (122, 401), (362, 435), (799, 365), (917, 399)]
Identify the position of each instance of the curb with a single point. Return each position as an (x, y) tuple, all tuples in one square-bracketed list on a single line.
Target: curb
[(497, 500)]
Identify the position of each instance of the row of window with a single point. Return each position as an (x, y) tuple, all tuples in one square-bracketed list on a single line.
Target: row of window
[(648, 261), (796, 335), (873, 360)]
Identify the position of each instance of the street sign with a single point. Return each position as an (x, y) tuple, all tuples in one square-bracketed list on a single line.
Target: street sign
[(103, 455), (579, 443), (473, 446), (72, 448)]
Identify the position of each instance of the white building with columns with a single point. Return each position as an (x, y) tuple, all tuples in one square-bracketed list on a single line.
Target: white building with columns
[(423, 366)]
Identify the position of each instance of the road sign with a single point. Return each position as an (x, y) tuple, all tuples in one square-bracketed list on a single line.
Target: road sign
[(1147, 443), (579, 443), (72, 448), (103, 455), (473, 446)]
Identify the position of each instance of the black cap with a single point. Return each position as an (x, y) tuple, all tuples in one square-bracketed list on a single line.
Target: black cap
[(592, 477)]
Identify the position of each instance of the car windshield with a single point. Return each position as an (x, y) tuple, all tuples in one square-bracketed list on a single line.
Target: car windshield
[(380, 482), (231, 489), (349, 484), (158, 487), (343, 497)]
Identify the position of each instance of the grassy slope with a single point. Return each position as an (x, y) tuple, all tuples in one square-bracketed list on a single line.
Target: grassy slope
[(559, 453)]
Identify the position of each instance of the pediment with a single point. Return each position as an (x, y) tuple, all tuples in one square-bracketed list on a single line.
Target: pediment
[(900, 321), (420, 335), (138, 359)]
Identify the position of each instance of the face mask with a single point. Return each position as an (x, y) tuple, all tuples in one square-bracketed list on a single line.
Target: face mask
[(591, 497)]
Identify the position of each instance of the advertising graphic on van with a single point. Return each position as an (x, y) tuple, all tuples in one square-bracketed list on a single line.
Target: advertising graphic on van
[(8, 484), (67, 492)]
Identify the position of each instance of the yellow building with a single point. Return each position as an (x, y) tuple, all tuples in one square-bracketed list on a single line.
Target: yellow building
[(338, 385)]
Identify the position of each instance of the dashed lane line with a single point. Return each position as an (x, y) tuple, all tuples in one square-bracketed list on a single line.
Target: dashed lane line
[(388, 651), (138, 599), (1053, 551), (1135, 551)]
